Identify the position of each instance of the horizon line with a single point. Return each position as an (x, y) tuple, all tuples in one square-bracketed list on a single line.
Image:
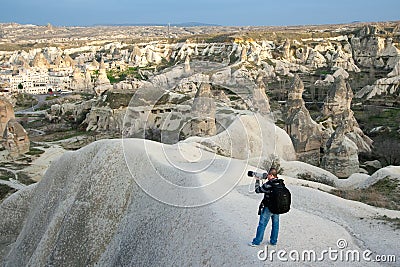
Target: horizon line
[(190, 24)]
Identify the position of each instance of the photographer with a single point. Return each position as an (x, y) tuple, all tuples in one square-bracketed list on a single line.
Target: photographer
[(264, 212)]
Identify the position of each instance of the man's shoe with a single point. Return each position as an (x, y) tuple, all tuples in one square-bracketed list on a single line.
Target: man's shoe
[(251, 244), (270, 244)]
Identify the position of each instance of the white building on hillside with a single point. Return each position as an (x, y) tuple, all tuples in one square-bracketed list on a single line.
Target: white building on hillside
[(29, 82), (38, 82)]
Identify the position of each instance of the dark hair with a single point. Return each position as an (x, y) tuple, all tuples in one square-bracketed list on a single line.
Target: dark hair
[(274, 172)]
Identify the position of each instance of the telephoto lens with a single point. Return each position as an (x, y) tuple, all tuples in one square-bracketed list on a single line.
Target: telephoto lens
[(257, 174)]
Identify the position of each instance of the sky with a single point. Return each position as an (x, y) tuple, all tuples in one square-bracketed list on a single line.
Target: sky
[(221, 12)]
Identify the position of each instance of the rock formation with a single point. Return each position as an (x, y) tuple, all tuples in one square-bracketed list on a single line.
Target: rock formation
[(337, 107), (302, 129), (135, 56), (252, 137), (94, 64), (64, 62), (89, 88), (40, 61), (15, 138), (102, 83), (78, 111), (187, 64), (243, 54), (202, 121), (384, 86), (341, 155), (77, 82), (69, 62), (286, 50), (373, 50), (260, 98), (6, 114), (338, 99), (342, 136), (88, 210), (344, 59), (105, 119)]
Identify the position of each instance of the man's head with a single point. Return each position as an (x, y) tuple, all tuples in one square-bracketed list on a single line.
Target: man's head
[(273, 173)]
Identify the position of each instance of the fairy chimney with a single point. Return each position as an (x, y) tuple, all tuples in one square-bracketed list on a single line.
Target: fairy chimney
[(260, 98), (202, 121), (302, 129)]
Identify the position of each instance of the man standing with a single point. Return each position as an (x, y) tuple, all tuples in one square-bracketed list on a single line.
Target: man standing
[(264, 212)]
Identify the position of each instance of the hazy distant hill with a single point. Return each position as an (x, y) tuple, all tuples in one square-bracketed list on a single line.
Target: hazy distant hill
[(184, 24)]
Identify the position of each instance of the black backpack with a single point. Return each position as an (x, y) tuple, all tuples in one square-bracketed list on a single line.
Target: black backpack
[(279, 198)]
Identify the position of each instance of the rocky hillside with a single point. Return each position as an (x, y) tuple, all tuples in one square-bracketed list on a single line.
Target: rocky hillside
[(310, 81)]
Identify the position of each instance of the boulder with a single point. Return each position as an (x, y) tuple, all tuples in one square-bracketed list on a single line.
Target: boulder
[(15, 139), (6, 114)]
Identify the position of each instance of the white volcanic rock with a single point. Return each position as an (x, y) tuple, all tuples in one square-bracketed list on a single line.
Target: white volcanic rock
[(77, 110), (316, 59), (389, 85), (223, 76), (260, 99), (329, 79), (105, 119), (268, 70), (188, 85), (298, 169), (337, 106), (381, 86), (389, 171), (15, 138), (126, 86), (286, 68), (78, 82), (40, 61), (376, 164), (6, 113), (354, 181), (341, 72), (202, 115), (341, 155), (391, 52), (396, 70), (250, 136), (344, 59), (89, 88), (102, 205), (102, 82), (304, 132)]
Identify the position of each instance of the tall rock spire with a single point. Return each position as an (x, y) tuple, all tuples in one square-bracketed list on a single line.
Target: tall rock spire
[(302, 129)]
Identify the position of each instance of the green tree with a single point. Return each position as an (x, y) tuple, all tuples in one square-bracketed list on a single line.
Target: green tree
[(20, 86)]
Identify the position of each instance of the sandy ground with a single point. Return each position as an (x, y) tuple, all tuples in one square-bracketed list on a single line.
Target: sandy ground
[(39, 166)]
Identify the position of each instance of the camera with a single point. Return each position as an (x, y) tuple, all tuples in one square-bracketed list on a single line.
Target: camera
[(257, 174)]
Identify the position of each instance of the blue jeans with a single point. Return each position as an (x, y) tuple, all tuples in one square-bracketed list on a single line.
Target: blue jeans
[(264, 218)]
